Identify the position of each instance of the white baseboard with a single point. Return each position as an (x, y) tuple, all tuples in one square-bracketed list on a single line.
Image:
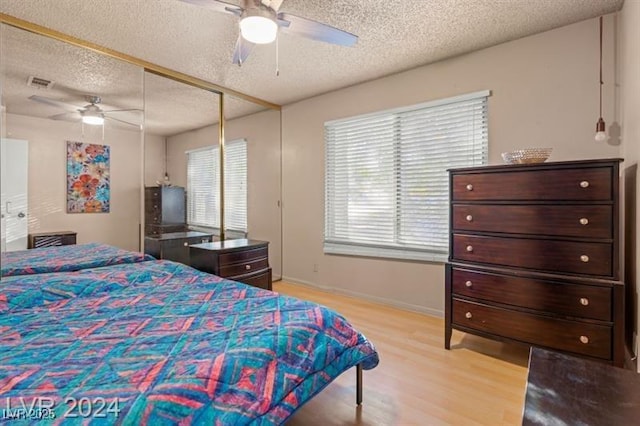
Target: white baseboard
[(381, 300)]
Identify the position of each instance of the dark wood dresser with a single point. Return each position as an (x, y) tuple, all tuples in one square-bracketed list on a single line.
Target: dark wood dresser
[(164, 210), (245, 261), (51, 239), (174, 245), (534, 256)]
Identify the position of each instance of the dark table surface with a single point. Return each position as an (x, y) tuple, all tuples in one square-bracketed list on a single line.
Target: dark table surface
[(565, 390)]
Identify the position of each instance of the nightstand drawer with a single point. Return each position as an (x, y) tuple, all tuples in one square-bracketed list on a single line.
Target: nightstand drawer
[(541, 254), (588, 221), (260, 280), (243, 256), (573, 336), (244, 268), (586, 184), (572, 300)]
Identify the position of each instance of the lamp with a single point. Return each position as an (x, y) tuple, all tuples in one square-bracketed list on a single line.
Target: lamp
[(601, 135), (93, 115), (257, 26)]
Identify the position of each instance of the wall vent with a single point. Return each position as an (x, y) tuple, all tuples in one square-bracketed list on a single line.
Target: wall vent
[(40, 83)]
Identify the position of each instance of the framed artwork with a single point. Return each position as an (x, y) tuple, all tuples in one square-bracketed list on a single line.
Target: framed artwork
[(88, 188)]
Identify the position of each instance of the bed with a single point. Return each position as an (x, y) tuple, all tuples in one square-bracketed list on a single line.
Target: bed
[(65, 258), (157, 342)]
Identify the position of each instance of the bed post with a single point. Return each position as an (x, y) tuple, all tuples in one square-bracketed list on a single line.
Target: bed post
[(359, 384)]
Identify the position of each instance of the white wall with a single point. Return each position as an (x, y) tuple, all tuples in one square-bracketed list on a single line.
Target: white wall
[(262, 132), (544, 94), (47, 180), (629, 119), (153, 159)]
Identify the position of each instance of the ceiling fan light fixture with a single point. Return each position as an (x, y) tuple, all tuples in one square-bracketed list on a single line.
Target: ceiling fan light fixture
[(93, 118), (258, 29)]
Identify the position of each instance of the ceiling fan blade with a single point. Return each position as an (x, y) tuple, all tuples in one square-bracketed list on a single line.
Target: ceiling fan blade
[(218, 6), (242, 50), (122, 110), (59, 104), (316, 30), (67, 116), (139, 126), (273, 4)]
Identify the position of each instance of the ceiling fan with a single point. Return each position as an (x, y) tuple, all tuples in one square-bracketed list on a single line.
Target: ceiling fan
[(88, 114), (260, 22)]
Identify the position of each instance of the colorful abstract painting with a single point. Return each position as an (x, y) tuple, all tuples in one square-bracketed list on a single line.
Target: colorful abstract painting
[(88, 189)]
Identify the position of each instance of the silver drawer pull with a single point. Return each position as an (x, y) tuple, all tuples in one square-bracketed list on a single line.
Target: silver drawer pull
[(584, 301), (584, 258), (469, 187), (247, 267), (186, 244), (584, 184), (205, 240), (584, 221), (469, 249), (469, 284), (468, 315), (469, 218), (584, 339)]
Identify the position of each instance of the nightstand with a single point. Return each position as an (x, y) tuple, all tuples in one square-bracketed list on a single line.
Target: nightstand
[(51, 239), (246, 261)]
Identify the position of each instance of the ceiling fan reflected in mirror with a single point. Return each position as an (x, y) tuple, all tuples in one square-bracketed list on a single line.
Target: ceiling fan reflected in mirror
[(90, 114), (260, 22)]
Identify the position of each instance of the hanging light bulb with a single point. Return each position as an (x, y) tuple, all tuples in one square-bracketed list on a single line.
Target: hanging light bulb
[(601, 134)]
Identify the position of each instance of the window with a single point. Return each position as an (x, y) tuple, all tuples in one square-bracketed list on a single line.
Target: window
[(386, 180), (203, 194)]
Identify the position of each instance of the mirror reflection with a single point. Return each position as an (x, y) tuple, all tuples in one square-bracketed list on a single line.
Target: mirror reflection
[(97, 150), (182, 173), (71, 145)]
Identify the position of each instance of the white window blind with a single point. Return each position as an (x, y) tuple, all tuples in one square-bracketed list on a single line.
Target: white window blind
[(386, 180), (203, 188)]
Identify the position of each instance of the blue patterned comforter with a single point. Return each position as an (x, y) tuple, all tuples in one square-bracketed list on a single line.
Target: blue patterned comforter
[(162, 343), (65, 258)]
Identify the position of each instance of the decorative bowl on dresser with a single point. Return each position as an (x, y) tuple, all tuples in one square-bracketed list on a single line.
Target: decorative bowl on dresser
[(174, 245), (534, 256), (242, 260)]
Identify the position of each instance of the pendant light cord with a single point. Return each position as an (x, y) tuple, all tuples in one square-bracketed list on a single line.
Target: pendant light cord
[(601, 66)]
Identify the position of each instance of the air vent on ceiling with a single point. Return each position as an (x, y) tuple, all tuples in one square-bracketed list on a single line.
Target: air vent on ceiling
[(40, 83)]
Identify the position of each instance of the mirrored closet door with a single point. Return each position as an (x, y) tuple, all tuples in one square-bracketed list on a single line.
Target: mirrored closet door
[(71, 144), (182, 162)]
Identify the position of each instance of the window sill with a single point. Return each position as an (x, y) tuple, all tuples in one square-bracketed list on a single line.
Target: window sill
[(384, 253)]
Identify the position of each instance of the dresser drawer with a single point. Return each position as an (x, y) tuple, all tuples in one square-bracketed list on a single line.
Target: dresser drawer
[(580, 184), (243, 256), (243, 268), (589, 221), (540, 254), (573, 300), (260, 280), (573, 336)]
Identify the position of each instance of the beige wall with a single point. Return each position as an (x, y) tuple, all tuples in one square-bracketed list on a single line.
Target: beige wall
[(153, 159), (262, 132), (47, 180), (544, 93), (628, 116)]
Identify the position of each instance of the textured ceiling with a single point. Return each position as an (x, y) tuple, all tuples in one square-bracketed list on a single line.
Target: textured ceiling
[(395, 35)]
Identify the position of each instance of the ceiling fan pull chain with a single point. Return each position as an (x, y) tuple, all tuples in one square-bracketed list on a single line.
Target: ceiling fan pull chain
[(240, 50), (277, 55)]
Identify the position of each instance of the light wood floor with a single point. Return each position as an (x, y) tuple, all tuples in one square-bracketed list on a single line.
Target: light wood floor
[(418, 382)]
